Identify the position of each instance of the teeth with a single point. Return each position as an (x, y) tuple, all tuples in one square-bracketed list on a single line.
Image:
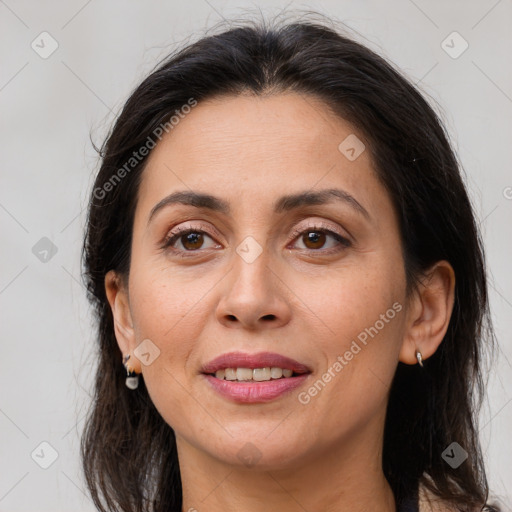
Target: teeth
[(243, 374), (256, 374), (230, 374), (276, 373), (261, 374)]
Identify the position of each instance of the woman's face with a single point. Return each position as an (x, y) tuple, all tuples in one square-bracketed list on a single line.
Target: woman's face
[(321, 282)]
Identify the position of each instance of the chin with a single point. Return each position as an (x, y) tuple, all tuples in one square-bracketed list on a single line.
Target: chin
[(259, 451)]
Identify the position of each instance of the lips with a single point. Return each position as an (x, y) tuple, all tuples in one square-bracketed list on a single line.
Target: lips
[(259, 360)]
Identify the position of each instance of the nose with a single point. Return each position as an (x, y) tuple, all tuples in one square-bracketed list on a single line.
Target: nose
[(254, 296)]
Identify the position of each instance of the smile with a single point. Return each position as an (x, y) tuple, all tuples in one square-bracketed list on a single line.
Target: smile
[(253, 374), (254, 378)]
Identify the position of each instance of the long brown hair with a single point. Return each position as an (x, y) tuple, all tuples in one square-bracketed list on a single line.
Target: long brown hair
[(128, 451)]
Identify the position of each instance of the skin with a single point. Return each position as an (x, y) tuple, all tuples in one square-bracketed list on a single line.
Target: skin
[(325, 455)]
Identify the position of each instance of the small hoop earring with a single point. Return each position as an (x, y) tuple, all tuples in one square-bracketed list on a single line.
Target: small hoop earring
[(132, 379), (419, 358)]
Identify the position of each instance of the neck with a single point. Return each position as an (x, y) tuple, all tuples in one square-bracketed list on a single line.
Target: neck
[(348, 477)]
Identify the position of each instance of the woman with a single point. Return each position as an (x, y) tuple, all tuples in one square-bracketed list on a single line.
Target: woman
[(290, 288)]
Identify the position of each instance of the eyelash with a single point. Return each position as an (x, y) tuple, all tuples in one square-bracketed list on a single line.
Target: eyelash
[(181, 232)]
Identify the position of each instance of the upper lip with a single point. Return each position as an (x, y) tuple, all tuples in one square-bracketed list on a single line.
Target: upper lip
[(259, 360)]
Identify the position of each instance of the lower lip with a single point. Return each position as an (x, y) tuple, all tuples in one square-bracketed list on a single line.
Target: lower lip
[(255, 392)]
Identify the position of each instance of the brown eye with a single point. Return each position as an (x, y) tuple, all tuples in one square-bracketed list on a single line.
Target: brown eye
[(314, 239), (192, 240)]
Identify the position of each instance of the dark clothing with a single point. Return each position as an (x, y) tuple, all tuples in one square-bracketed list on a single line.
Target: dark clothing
[(410, 504)]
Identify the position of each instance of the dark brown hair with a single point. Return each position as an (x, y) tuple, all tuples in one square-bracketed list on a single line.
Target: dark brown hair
[(128, 451)]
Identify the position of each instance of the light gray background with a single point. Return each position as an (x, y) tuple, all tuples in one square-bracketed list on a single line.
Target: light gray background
[(49, 107)]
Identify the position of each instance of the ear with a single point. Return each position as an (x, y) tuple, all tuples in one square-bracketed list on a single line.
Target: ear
[(117, 296), (428, 313)]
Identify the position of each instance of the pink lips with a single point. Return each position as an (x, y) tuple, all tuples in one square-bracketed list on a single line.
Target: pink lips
[(254, 392), (260, 360), (251, 391)]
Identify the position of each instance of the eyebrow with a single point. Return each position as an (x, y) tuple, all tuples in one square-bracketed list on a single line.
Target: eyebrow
[(283, 204)]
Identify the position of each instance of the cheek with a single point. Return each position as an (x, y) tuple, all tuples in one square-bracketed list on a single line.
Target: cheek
[(362, 311), (353, 298), (173, 319), (165, 302), (166, 310)]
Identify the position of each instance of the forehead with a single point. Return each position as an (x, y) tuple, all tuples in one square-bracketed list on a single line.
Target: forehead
[(246, 146)]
